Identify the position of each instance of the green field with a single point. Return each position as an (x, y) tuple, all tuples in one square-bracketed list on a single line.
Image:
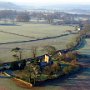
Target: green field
[(59, 43), (31, 30), (35, 31), (8, 84)]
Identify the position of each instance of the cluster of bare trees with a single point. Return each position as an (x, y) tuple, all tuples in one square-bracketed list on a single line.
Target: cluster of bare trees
[(61, 17), (7, 15), (32, 71), (48, 17), (23, 17), (12, 15)]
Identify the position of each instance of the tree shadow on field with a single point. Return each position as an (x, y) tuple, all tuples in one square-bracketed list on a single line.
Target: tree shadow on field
[(82, 44)]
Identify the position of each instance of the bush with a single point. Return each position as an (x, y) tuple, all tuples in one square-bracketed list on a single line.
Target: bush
[(68, 69), (15, 65)]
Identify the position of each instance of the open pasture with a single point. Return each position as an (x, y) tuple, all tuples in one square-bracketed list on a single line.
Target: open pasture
[(27, 31), (32, 31), (59, 43)]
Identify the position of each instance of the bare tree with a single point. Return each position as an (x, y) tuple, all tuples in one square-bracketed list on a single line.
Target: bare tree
[(34, 51), (50, 49), (49, 18), (8, 15), (23, 17), (18, 53)]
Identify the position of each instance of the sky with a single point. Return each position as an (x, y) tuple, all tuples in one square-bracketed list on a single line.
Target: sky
[(48, 1)]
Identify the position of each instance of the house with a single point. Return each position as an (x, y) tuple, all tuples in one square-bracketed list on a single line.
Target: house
[(45, 61), (46, 58), (61, 52)]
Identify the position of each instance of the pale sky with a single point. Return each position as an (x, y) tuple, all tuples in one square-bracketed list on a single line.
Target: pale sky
[(49, 1)]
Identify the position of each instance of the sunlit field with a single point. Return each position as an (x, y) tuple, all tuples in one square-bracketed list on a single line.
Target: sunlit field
[(34, 31), (56, 30), (8, 84), (31, 31), (59, 43)]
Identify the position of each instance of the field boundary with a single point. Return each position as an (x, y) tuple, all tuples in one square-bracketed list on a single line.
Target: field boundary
[(38, 39), (16, 34)]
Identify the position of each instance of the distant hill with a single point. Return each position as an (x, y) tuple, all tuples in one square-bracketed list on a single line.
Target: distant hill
[(72, 8), (68, 6), (9, 5)]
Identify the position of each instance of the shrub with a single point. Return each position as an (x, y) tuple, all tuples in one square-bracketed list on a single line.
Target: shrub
[(68, 69)]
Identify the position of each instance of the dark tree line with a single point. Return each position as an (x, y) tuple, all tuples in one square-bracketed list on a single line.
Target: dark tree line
[(23, 17), (7, 14), (12, 15), (56, 18), (61, 17)]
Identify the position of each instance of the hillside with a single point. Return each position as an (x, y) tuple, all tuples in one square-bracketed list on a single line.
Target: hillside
[(9, 5)]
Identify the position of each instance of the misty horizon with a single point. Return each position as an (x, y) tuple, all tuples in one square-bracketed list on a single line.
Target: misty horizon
[(47, 2)]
